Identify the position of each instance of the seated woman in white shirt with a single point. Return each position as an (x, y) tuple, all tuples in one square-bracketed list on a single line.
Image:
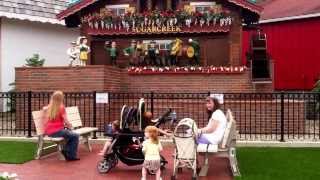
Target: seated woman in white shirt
[(214, 131)]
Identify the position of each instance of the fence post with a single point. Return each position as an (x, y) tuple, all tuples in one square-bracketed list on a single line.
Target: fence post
[(152, 94), (282, 117), (94, 114), (29, 113), (318, 105)]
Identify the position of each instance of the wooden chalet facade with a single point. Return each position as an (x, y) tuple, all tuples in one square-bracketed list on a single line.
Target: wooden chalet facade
[(216, 25)]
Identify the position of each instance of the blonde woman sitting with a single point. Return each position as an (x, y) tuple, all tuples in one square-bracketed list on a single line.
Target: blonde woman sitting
[(54, 118)]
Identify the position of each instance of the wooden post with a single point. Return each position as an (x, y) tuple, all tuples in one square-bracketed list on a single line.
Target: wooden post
[(149, 5), (169, 4), (138, 6), (178, 5)]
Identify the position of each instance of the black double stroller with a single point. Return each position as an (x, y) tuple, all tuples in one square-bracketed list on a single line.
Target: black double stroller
[(126, 145)]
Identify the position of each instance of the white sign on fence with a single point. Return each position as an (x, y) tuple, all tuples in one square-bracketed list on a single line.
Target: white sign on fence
[(102, 98), (218, 96)]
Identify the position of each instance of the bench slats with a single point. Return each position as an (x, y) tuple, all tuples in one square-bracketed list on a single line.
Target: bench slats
[(73, 116), (37, 122), (211, 148), (58, 139), (85, 130)]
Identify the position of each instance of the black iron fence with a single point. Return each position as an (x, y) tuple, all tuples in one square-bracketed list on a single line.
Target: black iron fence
[(259, 116)]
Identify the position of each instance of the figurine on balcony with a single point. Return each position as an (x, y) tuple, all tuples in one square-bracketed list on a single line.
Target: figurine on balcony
[(113, 53), (84, 50), (193, 52), (140, 53), (153, 53), (132, 52), (73, 53), (176, 46)]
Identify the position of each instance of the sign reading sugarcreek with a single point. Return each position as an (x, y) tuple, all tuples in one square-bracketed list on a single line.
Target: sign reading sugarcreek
[(156, 29)]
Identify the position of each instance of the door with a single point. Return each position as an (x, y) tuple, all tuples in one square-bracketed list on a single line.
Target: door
[(216, 51)]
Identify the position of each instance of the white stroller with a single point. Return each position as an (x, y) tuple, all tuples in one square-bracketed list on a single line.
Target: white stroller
[(185, 140)]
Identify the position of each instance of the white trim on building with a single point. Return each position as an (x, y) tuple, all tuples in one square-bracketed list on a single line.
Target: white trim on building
[(119, 9), (202, 3), (31, 18), (118, 6), (289, 18)]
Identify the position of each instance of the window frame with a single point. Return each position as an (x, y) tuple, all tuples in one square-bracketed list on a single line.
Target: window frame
[(117, 8), (203, 5), (165, 42)]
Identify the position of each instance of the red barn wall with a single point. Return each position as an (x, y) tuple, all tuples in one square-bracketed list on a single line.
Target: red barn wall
[(294, 49)]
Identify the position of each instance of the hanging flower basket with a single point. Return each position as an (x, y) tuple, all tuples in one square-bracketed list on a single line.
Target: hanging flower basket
[(158, 21), (187, 70)]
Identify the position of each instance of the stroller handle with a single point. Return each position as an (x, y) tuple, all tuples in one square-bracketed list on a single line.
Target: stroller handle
[(163, 117)]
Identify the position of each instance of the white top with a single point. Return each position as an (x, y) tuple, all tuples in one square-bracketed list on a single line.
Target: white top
[(151, 150), (216, 136)]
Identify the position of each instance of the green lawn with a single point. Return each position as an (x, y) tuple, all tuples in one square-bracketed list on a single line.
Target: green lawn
[(279, 163), (13, 152)]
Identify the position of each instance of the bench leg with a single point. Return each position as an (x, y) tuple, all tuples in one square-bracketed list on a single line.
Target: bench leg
[(87, 143), (233, 162), (205, 167), (39, 147), (60, 148)]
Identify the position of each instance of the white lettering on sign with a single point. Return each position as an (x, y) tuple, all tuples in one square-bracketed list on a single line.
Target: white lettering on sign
[(102, 98)]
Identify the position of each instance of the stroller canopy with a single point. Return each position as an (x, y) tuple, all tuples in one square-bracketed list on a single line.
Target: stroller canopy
[(131, 115), (186, 128)]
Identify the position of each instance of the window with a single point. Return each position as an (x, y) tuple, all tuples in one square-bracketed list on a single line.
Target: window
[(202, 6), (119, 9), (160, 44)]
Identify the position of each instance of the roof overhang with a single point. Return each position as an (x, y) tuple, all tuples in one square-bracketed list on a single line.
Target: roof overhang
[(31, 18), (247, 5), (75, 8), (85, 3), (289, 18)]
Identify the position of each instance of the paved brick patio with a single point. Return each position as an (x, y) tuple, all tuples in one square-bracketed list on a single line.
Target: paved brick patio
[(51, 168)]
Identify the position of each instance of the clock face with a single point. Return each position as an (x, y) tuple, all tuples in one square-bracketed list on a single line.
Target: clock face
[(190, 52)]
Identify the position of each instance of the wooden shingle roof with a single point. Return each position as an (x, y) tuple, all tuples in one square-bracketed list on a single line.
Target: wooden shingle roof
[(33, 10)]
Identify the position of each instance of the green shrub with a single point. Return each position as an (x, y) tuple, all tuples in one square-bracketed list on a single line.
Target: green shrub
[(35, 61)]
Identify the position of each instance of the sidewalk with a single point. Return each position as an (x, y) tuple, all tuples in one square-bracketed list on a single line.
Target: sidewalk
[(50, 168)]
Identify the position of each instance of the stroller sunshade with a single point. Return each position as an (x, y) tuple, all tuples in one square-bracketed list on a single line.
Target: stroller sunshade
[(131, 115)]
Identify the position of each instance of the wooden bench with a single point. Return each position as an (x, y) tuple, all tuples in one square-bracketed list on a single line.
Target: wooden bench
[(74, 118), (41, 148), (227, 148)]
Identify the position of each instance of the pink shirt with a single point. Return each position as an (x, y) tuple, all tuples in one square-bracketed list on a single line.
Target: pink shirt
[(57, 124)]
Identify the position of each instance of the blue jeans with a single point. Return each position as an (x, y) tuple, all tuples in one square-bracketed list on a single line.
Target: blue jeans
[(72, 140)]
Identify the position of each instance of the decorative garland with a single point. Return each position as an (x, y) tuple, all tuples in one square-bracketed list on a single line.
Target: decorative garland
[(192, 69), (105, 19)]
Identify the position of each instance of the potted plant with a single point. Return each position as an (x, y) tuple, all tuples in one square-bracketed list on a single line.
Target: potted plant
[(8, 176), (35, 61)]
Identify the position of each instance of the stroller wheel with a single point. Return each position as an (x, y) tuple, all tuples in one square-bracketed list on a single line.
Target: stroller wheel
[(104, 166), (163, 163)]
